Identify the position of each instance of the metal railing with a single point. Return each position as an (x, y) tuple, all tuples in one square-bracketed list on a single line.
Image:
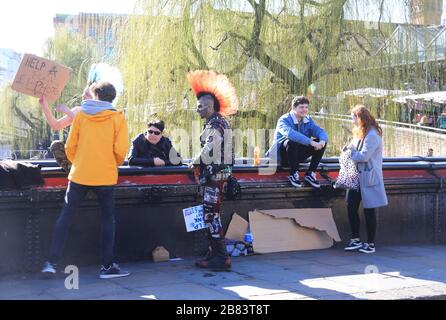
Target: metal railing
[(344, 117), (29, 154)]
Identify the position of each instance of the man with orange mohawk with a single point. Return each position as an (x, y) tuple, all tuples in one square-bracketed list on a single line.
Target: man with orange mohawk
[(216, 99)]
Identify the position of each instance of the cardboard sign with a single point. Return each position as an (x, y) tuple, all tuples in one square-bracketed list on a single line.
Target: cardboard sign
[(193, 218), (38, 76)]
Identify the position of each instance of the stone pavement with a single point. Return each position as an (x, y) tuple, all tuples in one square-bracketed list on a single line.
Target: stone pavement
[(393, 272)]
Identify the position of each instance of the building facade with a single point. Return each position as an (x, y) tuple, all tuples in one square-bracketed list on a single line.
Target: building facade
[(101, 27), (426, 12), (9, 63)]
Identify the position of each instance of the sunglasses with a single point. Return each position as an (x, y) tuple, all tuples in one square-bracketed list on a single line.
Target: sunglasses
[(156, 133)]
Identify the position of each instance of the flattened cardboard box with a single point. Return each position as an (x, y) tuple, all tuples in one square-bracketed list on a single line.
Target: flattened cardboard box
[(292, 229), (237, 228)]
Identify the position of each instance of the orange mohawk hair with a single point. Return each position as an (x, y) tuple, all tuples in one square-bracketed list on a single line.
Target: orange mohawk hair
[(218, 85)]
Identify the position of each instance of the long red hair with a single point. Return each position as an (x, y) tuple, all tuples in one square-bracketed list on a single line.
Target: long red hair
[(366, 121)]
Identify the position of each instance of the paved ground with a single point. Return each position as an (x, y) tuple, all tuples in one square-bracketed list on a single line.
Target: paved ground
[(393, 272)]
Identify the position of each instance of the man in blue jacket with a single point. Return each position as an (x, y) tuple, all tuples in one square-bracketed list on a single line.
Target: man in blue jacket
[(296, 138)]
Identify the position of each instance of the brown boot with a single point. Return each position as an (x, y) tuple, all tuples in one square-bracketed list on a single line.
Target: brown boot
[(219, 260), (214, 264)]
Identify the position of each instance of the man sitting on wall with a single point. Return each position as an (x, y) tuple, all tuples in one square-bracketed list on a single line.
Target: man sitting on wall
[(296, 138)]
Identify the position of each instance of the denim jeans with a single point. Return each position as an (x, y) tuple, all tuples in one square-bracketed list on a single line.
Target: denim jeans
[(73, 197)]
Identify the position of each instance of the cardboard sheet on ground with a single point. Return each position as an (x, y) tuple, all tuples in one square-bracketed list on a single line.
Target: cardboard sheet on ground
[(237, 228), (292, 229), (37, 76)]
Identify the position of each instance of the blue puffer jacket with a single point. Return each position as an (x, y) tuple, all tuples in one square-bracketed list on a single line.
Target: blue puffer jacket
[(289, 128)]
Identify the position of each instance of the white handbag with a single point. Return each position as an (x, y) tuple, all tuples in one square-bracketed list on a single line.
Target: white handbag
[(348, 177)]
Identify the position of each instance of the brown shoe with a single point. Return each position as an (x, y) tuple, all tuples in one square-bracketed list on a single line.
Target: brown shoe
[(214, 263)]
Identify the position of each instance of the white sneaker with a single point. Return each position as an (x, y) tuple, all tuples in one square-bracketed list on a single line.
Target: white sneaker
[(49, 268)]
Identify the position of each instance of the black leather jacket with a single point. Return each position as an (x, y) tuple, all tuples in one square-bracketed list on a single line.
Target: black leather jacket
[(143, 152)]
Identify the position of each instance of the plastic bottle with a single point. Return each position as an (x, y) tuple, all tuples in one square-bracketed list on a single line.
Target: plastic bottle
[(249, 239), (256, 161), (242, 248)]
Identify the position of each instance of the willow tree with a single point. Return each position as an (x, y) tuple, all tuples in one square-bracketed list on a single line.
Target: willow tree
[(271, 50), (76, 52), (21, 115), (20, 121)]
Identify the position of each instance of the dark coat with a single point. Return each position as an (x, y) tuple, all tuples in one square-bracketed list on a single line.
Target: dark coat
[(143, 152)]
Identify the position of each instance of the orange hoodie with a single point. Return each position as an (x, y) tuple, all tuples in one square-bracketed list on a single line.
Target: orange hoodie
[(96, 146)]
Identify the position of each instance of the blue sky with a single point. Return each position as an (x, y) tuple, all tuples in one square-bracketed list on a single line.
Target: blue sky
[(394, 10), (26, 24)]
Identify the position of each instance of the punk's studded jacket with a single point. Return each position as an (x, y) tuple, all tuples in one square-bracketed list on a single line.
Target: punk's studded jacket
[(216, 152)]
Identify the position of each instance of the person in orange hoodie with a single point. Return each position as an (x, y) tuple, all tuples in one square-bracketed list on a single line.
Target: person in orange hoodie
[(97, 145)]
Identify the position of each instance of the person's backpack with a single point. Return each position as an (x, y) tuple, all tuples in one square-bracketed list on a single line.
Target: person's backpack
[(7, 181), (19, 175), (233, 189)]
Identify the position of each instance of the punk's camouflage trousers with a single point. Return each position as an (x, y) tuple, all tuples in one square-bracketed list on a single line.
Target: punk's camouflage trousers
[(212, 201), (58, 149)]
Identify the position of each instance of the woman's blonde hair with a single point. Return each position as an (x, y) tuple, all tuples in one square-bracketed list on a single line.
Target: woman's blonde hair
[(366, 121)]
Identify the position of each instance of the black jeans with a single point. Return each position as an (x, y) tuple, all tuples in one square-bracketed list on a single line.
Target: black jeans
[(73, 198), (292, 153), (353, 201)]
